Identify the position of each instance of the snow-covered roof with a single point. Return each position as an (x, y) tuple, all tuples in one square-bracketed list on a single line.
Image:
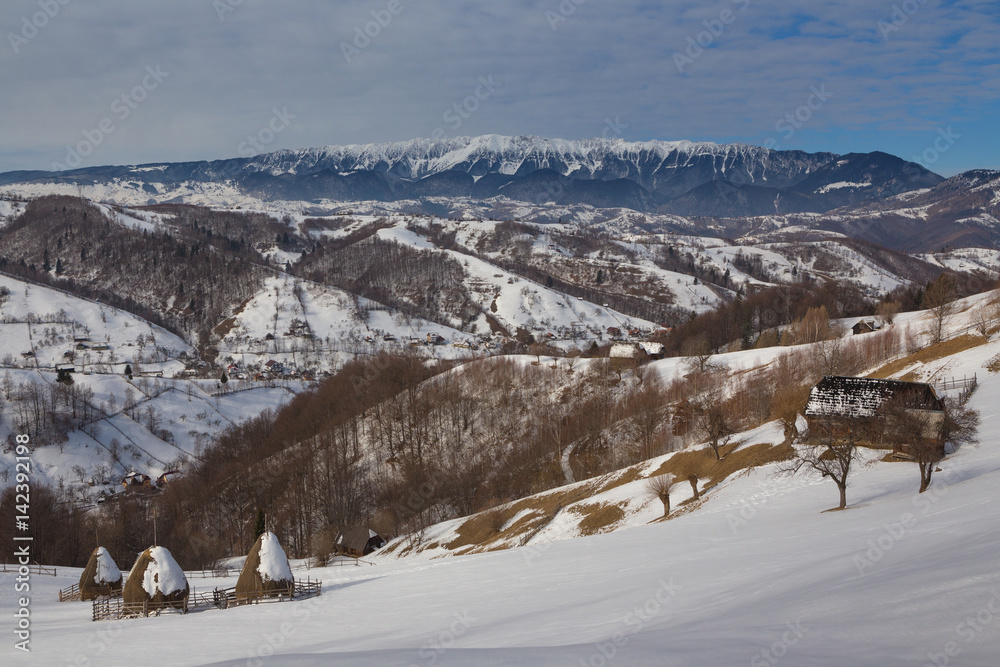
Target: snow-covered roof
[(623, 351), (652, 348), (862, 397)]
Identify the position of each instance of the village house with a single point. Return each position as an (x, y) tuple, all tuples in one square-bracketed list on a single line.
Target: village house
[(864, 326), (857, 409), (358, 541), (136, 481)]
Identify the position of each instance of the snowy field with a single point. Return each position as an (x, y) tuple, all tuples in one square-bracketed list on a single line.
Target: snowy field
[(760, 575)]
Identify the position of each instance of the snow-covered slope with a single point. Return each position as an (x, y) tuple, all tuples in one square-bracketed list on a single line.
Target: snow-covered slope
[(761, 574)]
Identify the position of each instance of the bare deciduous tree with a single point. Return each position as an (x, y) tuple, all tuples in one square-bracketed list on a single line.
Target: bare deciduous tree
[(659, 487), (939, 298), (984, 319), (829, 455), (717, 429)]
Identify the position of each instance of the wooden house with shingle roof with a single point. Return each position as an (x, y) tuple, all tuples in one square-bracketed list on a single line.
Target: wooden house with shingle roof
[(865, 409)]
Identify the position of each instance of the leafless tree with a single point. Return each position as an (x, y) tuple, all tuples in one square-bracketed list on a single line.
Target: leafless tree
[(830, 455), (985, 317), (716, 428), (887, 311), (659, 487), (699, 351), (939, 298)]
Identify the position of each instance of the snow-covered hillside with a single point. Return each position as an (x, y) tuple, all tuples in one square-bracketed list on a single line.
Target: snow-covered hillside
[(41, 327), (152, 422), (760, 573)]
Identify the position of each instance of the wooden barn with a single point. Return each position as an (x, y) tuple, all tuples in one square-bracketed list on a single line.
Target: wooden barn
[(878, 413), (358, 541), (864, 326)]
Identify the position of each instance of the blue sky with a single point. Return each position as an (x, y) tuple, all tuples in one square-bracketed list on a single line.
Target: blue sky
[(916, 79)]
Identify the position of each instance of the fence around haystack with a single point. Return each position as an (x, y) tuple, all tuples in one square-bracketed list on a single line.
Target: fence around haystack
[(220, 573), (71, 594), (111, 608)]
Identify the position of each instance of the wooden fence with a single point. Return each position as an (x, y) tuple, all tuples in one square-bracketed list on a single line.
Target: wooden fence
[(32, 569), (70, 594), (114, 607), (963, 383), (220, 573)]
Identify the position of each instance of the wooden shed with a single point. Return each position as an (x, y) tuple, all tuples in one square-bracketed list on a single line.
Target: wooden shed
[(358, 541), (870, 410)]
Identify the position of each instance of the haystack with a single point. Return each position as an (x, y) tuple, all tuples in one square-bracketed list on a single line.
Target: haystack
[(266, 572), (101, 577), (155, 582)]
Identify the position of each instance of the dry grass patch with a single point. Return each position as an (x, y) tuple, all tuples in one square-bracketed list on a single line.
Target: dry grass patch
[(928, 354), (481, 531), (599, 517), (702, 464)]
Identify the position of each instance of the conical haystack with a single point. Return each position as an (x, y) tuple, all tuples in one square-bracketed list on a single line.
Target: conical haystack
[(156, 581), (101, 577), (266, 572)]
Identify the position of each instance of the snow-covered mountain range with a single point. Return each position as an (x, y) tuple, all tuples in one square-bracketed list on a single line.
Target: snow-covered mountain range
[(654, 176)]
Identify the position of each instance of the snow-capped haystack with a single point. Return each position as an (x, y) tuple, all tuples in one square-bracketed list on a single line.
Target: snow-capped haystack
[(266, 571), (101, 576), (156, 578)]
